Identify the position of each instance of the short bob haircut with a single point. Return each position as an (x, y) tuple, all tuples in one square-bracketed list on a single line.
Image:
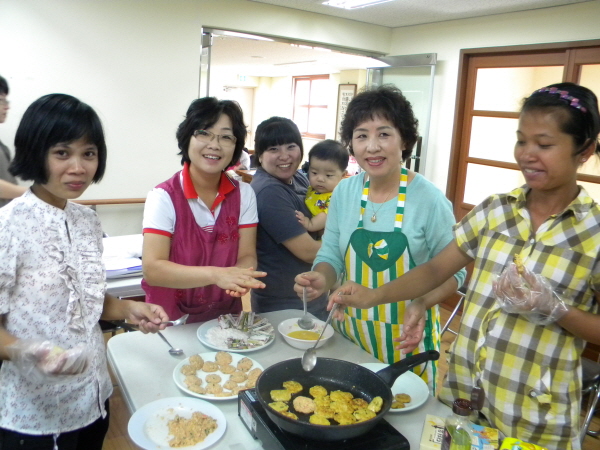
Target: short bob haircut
[(276, 131), (202, 114), (583, 126), (386, 102), (3, 86), (50, 120), (330, 150)]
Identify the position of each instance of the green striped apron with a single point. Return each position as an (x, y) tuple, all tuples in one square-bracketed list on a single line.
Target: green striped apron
[(372, 259)]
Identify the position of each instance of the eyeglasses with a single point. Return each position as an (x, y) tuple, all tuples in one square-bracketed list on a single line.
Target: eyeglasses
[(4, 102), (226, 140)]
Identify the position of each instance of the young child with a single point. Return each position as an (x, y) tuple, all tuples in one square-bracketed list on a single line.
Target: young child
[(327, 163), (54, 381)]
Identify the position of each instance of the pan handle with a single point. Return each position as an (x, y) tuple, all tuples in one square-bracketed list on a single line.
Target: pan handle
[(393, 371)]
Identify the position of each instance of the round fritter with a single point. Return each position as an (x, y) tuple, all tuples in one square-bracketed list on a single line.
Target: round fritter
[(222, 358), (210, 366), (341, 407), (279, 406), (402, 398), (344, 418), (231, 385), (325, 411), (363, 414), (250, 384), (188, 369), (196, 361), (304, 404), (323, 401), (238, 376), (398, 405), (359, 403), (318, 391), (255, 373), (376, 404), (197, 389), (192, 380), (318, 420), (214, 388), (226, 368), (293, 386), (341, 396), (213, 378), (281, 395), (245, 364), (289, 414)]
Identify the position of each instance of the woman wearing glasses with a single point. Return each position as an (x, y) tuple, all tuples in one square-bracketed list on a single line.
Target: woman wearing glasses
[(199, 226)]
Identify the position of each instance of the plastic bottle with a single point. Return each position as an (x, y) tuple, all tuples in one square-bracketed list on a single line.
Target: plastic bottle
[(458, 430)]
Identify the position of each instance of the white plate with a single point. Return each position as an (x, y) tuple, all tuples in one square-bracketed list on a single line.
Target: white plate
[(407, 383), (178, 377), (203, 329), (148, 425)]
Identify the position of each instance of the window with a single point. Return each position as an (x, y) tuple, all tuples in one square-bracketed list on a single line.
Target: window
[(492, 84), (311, 94)]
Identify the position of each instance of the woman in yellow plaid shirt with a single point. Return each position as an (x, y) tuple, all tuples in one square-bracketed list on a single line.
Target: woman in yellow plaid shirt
[(523, 328)]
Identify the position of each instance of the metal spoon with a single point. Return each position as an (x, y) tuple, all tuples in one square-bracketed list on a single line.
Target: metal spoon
[(309, 358), (180, 321), (173, 351), (305, 322)]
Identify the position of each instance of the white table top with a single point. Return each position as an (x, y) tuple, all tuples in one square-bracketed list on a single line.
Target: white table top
[(144, 370)]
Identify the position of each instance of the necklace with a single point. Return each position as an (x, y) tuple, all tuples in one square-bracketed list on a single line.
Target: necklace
[(375, 211)]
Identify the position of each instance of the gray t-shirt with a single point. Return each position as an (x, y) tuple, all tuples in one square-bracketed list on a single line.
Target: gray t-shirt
[(276, 203), (4, 173)]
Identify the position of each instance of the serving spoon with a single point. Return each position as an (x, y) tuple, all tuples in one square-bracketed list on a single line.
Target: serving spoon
[(309, 358), (181, 321), (305, 322), (173, 351)]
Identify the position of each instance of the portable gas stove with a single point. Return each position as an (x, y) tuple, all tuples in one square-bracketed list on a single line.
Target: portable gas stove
[(382, 437)]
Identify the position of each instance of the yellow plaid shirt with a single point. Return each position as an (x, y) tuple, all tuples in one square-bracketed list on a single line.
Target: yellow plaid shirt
[(531, 374)]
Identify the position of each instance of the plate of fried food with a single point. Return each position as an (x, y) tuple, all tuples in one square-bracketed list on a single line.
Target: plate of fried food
[(177, 422), (216, 375), (409, 390)]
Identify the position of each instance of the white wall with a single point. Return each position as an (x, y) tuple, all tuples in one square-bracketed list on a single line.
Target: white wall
[(137, 63), (565, 23)]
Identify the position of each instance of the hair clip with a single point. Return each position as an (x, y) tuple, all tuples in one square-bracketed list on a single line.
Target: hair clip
[(564, 95)]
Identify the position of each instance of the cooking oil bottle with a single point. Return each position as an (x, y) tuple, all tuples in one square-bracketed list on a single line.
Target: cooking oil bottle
[(458, 431)]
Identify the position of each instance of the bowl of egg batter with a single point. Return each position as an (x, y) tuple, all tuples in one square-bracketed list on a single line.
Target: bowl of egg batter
[(303, 339)]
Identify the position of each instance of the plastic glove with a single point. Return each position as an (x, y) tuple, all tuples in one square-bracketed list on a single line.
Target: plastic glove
[(45, 362), (528, 294)]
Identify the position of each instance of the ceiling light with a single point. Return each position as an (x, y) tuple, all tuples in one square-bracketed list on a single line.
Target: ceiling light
[(245, 36), (353, 4)]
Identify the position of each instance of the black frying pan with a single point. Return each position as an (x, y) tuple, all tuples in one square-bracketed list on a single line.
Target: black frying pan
[(334, 374)]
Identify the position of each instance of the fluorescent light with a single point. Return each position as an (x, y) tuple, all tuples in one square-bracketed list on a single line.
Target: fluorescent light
[(245, 36), (353, 4)]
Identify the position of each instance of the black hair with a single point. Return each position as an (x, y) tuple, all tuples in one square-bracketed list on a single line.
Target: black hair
[(387, 102), (276, 131), (330, 150), (202, 114), (578, 106), (50, 120), (3, 86)]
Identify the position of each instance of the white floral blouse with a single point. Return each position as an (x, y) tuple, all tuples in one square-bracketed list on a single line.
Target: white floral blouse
[(52, 287)]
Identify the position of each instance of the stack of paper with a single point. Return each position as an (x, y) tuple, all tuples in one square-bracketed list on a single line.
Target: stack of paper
[(122, 267)]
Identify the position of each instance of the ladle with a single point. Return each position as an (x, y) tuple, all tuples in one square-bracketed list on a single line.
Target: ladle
[(305, 322), (309, 358)]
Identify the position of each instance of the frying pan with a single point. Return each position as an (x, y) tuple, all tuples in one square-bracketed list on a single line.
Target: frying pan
[(334, 374)]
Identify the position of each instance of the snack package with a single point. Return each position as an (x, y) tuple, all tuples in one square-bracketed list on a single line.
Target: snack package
[(517, 444), (433, 432)]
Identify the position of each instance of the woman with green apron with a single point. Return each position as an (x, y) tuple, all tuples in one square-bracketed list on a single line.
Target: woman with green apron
[(382, 223)]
